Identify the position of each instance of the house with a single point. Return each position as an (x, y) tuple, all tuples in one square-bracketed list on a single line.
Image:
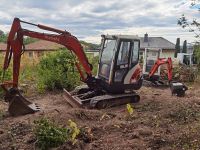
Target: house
[(40, 48), (93, 53), (146, 42), (167, 47), (36, 49), (2, 47)]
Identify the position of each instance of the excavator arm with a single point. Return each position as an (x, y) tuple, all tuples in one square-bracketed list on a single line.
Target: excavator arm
[(15, 48), (159, 62)]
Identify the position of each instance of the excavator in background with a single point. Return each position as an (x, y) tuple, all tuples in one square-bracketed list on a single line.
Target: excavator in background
[(119, 73), (159, 62), (177, 88)]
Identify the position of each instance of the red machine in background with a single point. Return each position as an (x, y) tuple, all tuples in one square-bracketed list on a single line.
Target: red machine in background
[(158, 63), (176, 87)]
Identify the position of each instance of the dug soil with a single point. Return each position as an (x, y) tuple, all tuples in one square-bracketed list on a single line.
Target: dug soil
[(159, 121)]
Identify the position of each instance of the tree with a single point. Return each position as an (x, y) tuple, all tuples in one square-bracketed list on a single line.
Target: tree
[(177, 47), (196, 58), (185, 46), (192, 24), (1, 32), (3, 36)]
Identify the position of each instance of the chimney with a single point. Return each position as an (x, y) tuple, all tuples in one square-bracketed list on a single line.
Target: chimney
[(146, 37)]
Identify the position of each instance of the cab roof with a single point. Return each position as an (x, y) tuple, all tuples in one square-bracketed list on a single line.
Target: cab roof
[(133, 37)]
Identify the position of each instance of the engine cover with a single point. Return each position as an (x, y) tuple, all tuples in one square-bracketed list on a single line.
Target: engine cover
[(178, 89)]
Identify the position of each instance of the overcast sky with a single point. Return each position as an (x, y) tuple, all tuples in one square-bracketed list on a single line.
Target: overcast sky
[(88, 19)]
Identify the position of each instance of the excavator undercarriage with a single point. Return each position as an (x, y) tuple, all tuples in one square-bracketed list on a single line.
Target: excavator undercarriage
[(99, 99)]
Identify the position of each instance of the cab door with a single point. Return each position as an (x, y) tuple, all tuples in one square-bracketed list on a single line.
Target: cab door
[(122, 60)]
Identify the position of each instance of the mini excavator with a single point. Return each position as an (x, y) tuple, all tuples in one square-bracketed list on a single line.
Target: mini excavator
[(119, 73), (177, 88)]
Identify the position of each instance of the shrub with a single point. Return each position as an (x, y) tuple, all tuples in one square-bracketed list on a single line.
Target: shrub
[(49, 134), (94, 61), (57, 71), (7, 76)]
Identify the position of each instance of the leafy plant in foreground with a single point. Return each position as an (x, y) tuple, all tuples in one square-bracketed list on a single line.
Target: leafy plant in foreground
[(49, 134), (129, 109)]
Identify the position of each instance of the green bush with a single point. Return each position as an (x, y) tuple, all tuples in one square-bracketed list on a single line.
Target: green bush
[(94, 61), (7, 76), (49, 134), (57, 71)]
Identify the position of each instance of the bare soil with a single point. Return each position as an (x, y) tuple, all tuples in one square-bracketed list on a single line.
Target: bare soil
[(159, 121)]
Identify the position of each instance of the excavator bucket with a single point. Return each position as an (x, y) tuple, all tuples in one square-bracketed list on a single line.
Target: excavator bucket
[(18, 105)]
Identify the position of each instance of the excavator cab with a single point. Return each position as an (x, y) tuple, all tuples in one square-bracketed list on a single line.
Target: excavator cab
[(119, 74), (118, 63)]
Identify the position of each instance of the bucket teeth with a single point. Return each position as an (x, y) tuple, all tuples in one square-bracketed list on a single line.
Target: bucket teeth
[(20, 106)]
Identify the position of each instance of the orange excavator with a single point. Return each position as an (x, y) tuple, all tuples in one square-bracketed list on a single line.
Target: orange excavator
[(158, 63), (119, 73), (177, 88)]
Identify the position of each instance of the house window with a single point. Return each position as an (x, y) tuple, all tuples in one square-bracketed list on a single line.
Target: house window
[(154, 53), (30, 54), (39, 54)]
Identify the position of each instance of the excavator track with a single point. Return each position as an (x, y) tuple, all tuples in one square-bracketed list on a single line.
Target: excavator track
[(101, 101), (107, 101)]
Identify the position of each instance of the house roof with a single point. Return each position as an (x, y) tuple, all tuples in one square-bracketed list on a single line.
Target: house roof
[(43, 45), (156, 42), (3, 46)]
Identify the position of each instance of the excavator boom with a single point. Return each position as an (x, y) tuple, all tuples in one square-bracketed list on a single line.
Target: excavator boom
[(18, 105), (15, 47)]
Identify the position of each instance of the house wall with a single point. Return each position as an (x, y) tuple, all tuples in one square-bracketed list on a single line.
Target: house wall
[(94, 54), (34, 54), (166, 54)]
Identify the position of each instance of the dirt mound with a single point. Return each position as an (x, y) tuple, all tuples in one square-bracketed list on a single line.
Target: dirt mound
[(159, 121)]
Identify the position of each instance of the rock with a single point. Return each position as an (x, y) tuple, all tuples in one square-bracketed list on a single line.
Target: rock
[(145, 132), (1, 132)]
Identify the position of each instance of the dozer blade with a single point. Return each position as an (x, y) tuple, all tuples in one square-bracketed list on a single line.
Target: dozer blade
[(100, 101), (20, 106), (72, 100)]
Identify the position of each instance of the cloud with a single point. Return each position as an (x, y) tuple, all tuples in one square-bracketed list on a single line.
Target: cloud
[(88, 19)]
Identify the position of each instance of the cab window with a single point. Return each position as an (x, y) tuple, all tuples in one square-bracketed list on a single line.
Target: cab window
[(123, 53), (135, 52)]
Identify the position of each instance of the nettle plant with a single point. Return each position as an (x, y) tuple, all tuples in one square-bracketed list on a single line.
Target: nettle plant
[(51, 135)]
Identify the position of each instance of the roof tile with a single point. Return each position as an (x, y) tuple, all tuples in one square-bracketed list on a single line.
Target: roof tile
[(43, 45)]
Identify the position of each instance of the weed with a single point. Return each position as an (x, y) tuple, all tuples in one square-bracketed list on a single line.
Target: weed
[(130, 109), (7, 76), (74, 131), (49, 134)]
